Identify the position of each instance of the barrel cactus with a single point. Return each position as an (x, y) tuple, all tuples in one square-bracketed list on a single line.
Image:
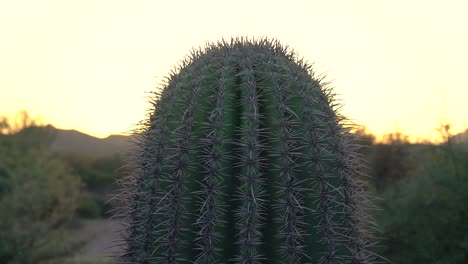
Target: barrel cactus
[(244, 159)]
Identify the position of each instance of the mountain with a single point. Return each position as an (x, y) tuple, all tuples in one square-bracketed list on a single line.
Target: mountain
[(78, 143)]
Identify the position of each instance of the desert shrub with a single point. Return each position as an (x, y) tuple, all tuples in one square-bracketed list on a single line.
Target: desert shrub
[(88, 206), (39, 197), (98, 174), (424, 217), (390, 160)]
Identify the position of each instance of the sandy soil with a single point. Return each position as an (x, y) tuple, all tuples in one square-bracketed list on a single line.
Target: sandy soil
[(105, 236)]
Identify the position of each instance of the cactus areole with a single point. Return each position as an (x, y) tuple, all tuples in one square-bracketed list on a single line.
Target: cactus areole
[(243, 159)]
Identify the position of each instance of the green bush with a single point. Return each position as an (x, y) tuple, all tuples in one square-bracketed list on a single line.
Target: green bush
[(39, 197), (425, 217), (98, 174), (89, 207), (391, 160)]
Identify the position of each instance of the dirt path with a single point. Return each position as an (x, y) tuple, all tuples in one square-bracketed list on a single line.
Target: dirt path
[(104, 233)]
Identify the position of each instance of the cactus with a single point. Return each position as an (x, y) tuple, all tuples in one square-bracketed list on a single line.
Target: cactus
[(244, 159)]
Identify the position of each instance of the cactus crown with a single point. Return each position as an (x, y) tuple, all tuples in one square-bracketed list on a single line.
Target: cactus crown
[(244, 159)]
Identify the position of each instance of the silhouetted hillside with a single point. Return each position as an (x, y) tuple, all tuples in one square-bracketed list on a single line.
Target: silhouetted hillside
[(78, 143)]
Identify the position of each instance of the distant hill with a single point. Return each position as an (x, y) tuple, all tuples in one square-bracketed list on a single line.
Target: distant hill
[(78, 143)]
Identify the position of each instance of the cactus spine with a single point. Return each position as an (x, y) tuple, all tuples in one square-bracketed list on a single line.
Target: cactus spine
[(244, 160)]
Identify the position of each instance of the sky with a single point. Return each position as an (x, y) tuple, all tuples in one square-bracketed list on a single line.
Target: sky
[(90, 65)]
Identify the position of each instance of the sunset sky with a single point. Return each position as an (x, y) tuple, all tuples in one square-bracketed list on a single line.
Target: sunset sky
[(89, 64)]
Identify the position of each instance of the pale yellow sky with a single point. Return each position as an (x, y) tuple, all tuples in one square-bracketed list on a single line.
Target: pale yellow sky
[(89, 64)]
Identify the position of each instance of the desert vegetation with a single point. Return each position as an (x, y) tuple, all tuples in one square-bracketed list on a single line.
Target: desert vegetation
[(44, 195), (423, 193)]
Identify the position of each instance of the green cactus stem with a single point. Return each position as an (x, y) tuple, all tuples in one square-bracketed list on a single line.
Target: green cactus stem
[(244, 159)]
